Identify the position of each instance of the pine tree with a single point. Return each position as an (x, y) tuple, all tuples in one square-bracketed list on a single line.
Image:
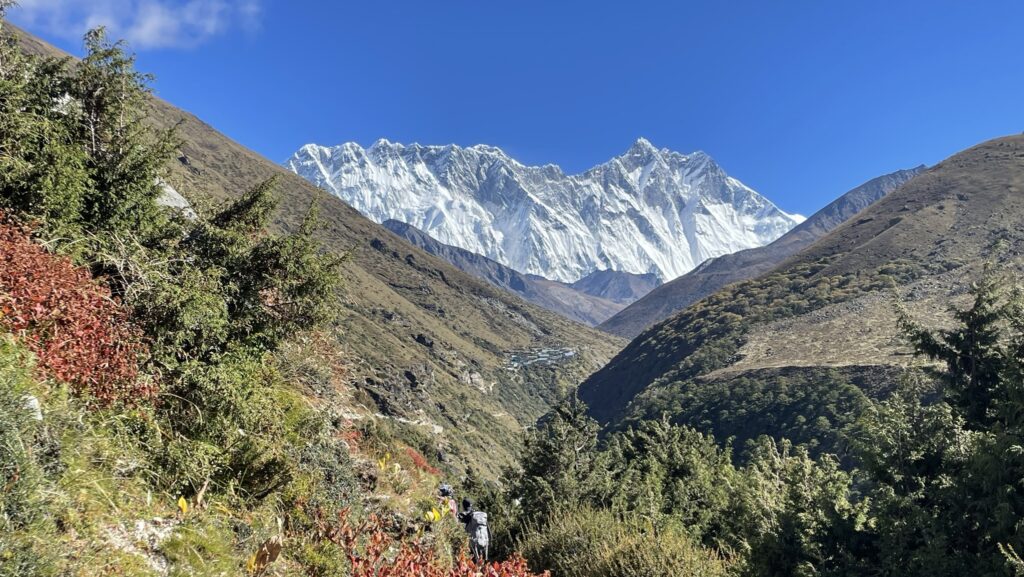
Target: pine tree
[(561, 463), (42, 169), (974, 357), (944, 476), (127, 157), (794, 515), (665, 472)]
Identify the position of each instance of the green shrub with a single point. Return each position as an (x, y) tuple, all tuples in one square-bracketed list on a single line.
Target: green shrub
[(664, 474), (582, 542)]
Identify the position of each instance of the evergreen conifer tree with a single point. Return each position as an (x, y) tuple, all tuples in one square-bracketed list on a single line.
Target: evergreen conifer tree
[(561, 464)]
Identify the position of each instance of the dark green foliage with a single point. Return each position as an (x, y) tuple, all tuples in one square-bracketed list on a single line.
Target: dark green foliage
[(975, 358), (215, 315), (936, 488), (946, 477), (125, 155), (669, 486), (234, 425), (793, 516), (42, 170), (560, 461), (561, 466), (664, 473), (76, 150), (810, 407), (237, 286), (911, 455)]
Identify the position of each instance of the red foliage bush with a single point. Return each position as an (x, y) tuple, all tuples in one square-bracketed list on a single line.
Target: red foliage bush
[(373, 552), (420, 462), (350, 436), (79, 334)]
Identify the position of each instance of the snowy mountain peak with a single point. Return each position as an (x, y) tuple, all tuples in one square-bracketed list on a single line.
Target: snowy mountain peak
[(642, 146), (649, 210)]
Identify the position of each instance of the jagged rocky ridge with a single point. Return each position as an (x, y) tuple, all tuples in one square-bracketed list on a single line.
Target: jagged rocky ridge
[(649, 210)]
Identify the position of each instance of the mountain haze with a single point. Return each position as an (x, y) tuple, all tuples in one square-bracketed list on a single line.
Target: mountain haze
[(649, 210), (718, 272)]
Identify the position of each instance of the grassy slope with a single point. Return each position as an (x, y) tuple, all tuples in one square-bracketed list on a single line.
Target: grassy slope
[(832, 305), (427, 343)]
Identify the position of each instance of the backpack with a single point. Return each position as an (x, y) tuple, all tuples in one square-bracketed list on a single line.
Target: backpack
[(478, 533)]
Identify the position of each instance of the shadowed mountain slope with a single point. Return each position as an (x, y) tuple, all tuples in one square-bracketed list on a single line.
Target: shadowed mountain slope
[(620, 287), (716, 273), (552, 295)]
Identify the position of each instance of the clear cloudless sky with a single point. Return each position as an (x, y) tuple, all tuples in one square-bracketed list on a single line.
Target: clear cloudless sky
[(800, 99)]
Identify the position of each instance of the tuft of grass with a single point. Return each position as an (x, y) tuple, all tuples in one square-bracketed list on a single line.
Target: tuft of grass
[(68, 479), (202, 547)]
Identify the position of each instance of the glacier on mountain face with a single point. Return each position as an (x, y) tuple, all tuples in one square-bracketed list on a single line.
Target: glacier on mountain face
[(649, 210)]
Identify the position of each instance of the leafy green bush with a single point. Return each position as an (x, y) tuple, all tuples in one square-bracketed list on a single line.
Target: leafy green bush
[(793, 515), (671, 475)]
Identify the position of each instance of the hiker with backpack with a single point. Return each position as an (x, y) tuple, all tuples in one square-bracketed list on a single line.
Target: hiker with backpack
[(447, 500), (479, 534)]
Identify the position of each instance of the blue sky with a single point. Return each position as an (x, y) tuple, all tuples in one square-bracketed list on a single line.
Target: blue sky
[(800, 99)]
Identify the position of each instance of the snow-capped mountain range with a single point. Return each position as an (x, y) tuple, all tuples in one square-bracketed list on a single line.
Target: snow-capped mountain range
[(649, 210)]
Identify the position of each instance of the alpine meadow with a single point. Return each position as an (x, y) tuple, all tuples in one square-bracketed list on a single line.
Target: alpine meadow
[(457, 359)]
